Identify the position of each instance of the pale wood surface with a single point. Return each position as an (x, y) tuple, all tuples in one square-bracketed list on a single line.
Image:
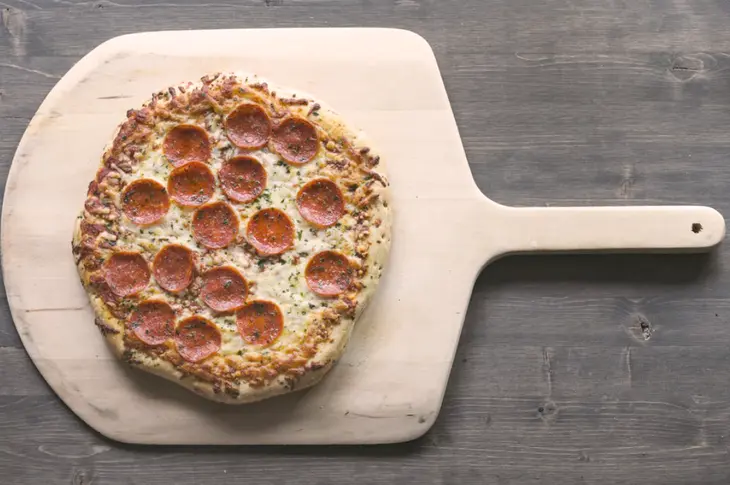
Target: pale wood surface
[(557, 103), (388, 386)]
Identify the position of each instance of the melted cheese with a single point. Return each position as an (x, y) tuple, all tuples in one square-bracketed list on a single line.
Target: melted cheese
[(279, 279)]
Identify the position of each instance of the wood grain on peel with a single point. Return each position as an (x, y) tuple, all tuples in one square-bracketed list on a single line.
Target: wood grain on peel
[(559, 103)]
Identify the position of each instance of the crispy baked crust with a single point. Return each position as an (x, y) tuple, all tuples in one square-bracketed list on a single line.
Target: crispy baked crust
[(253, 374)]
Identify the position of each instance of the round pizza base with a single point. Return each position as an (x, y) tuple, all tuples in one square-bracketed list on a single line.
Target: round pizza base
[(329, 351)]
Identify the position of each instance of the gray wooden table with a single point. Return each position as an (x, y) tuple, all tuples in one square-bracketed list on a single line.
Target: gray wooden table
[(571, 369)]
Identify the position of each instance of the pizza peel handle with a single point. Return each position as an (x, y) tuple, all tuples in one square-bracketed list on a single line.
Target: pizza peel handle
[(610, 229)]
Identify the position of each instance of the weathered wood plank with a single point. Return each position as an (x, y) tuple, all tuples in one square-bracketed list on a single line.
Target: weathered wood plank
[(602, 300), (21, 378), (561, 27), (559, 102), (553, 423)]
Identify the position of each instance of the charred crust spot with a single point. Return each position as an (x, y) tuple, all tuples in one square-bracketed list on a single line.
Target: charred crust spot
[(263, 87), (125, 167), (197, 97), (290, 382), (102, 173), (339, 164), (231, 391), (315, 107), (294, 101), (208, 79), (144, 116), (315, 366), (94, 206), (348, 306), (93, 188), (131, 150), (227, 87), (104, 328), (129, 357)]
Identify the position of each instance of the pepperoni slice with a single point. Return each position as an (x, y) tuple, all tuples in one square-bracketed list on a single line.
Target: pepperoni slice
[(173, 268), (295, 139), (320, 202), (260, 322), (248, 126), (215, 225), (270, 232), (328, 273), (153, 322), (145, 201), (126, 273), (186, 143), (242, 178), (191, 185), (197, 338), (224, 289)]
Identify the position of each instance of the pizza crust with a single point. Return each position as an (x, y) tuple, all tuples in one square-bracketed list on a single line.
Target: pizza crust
[(335, 322)]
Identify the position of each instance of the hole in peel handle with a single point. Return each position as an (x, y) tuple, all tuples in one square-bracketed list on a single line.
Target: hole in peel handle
[(610, 229)]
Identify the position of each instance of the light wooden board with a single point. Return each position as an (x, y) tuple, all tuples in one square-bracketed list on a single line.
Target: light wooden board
[(389, 385)]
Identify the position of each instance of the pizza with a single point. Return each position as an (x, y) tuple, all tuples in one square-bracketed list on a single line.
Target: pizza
[(232, 236)]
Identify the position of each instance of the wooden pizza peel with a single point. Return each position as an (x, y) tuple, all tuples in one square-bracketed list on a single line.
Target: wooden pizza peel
[(389, 385)]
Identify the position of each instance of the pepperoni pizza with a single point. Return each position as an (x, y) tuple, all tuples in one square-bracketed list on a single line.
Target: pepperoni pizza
[(232, 236)]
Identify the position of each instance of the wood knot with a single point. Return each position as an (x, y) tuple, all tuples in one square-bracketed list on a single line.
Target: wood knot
[(685, 67), (14, 23), (643, 328), (82, 477), (548, 412), (640, 328)]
